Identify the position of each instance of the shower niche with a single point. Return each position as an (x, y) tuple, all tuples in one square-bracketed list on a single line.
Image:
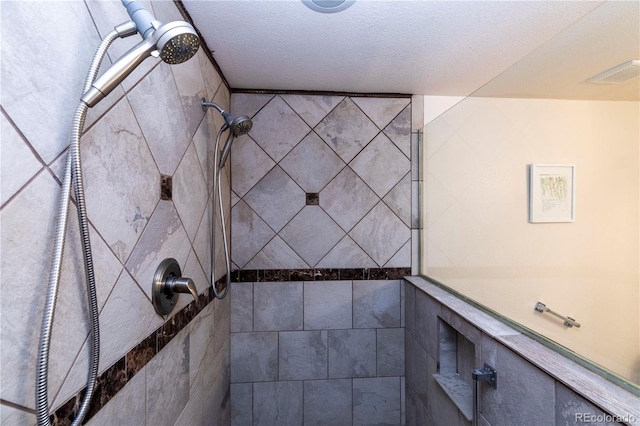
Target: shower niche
[(458, 356)]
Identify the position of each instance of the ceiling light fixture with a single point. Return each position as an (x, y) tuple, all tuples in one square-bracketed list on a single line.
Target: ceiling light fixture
[(619, 74), (328, 6)]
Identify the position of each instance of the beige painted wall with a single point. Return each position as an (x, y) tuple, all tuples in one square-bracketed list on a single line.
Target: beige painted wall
[(475, 213)]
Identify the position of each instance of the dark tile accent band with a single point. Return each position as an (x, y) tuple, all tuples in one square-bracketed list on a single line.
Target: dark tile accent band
[(112, 380)]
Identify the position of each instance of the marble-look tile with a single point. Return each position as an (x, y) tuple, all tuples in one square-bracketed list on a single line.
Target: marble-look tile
[(190, 194), (190, 83), (277, 128), (328, 305), (525, 393), (277, 255), (277, 306), (416, 361), (249, 164), (352, 353), (10, 416), (18, 162), (410, 307), (212, 80), (201, 352), (126, 407), (376, 304), (203, 141), (302, 355), (380, 234), (241, 307), (312, 108), (376, 401), (571, 408), (278, 403), (276, 199), (250, 234), (164, 126), (381, 165), (381, 110), (399, 131), (328, 402), (347, 199), (248, 103), (311, 234), (164, 237), (426, 323), (168, 370), (254, 357), (27, 225), (346, 130), (241, 404), (121, 179), (312, 164), (346, 254), (390, 357), (442, 408), (399, 200), (402, 258), (55, 89)]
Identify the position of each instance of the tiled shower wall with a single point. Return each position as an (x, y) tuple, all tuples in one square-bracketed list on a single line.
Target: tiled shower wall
[(150, 125), (317, 353), (322, 182)]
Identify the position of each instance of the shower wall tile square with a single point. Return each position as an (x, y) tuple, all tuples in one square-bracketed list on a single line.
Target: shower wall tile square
[(241, 307), (191, 87), (426, 323), (353, 152), (254, 357), (278, 403), (390, 352), (241, 404), (328, 402), (126, 407), (190, 192), (327, 305), (376, 304), (352, 353), (377, 401), (250, 233), (278, 306), (303, 355)]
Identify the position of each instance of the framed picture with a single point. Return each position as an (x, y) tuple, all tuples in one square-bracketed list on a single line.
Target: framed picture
[(552, 193)]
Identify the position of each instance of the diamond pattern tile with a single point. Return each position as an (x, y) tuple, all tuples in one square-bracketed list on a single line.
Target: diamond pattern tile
[(249, 164), (381, 165), (347, 199), (399, 131), (312, 109), (399, 199), (277, 255), (276, 198), (381, 110), (248, 104), (311, 234), (380, 233), (277, 128), (347, 129), (346, 254), (312, 164), (250, 234)]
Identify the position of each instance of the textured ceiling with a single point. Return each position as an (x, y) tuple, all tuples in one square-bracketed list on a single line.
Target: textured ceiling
[(443, 48)]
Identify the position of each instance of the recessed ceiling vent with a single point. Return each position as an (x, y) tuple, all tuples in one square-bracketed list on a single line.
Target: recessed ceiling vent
[(328, 6), (620, 74)]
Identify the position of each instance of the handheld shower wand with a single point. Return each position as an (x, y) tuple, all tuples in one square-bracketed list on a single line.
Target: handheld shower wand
[(174, 42), (239, 126)]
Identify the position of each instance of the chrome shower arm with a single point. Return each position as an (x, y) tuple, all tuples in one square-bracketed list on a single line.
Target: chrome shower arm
[(206, 105)]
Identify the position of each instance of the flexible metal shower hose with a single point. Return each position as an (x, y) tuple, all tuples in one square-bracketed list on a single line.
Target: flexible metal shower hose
[(73, 171), (216, 179)]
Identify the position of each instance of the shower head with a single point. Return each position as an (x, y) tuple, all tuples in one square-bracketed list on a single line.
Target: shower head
[(174, 42), (239, 125)]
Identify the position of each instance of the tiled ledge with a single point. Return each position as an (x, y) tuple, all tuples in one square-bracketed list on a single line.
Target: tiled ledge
[(605, 394)]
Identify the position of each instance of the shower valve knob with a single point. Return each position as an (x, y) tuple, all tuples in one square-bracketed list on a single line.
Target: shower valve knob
[(168, 282)]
